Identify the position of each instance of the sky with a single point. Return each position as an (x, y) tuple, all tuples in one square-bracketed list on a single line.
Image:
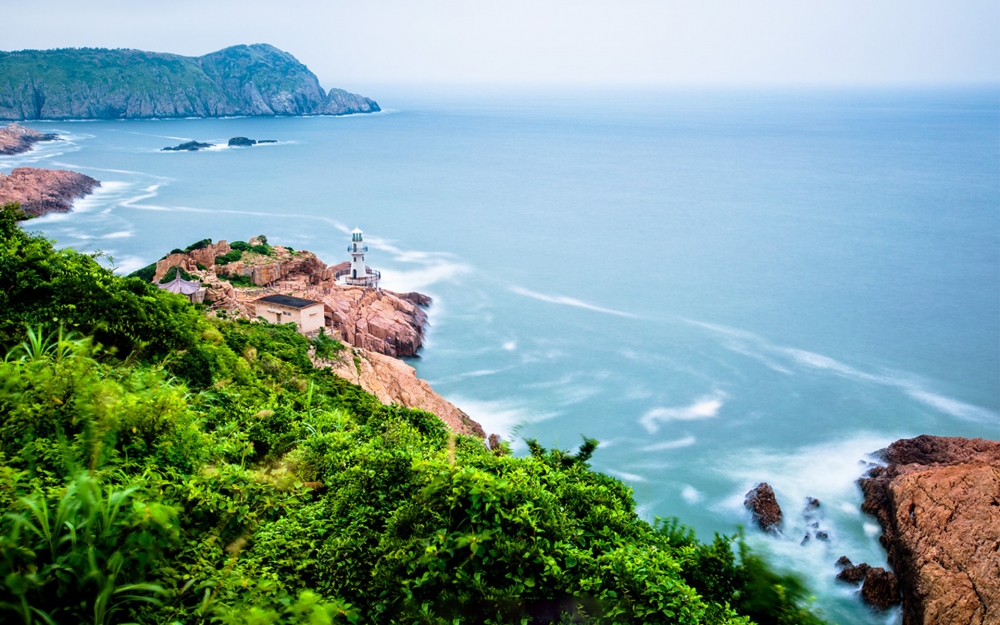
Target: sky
[(553, 42)]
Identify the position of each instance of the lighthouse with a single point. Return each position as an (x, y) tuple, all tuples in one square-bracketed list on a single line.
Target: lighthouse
[(359, 274)]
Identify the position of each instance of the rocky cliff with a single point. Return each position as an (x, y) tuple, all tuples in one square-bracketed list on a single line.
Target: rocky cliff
[(938, 502), (95, 83), (16, 139), (376, 320), (395, 382), (41, 191)]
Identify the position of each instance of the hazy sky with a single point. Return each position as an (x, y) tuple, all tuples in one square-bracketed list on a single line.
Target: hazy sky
[(642, 42)]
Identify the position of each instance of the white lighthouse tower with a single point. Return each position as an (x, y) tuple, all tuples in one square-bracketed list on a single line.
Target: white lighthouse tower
[(359, 273)]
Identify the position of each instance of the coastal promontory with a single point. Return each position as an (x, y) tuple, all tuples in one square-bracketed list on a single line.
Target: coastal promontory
[(16, 139), (43, 191), (938, 502), (96, 83)]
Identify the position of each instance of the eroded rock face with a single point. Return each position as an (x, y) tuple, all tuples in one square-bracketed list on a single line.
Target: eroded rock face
[(378, 321), (938, 502), (42, 191), (395, 382), (764, 506), (16, 139)]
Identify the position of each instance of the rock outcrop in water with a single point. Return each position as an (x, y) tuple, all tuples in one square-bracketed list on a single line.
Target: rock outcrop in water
[(764, 506), (42, 191), (187, 146), (16, 139), (95, 83), (938, 502)]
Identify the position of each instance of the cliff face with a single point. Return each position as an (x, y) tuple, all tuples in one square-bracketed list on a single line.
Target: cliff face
[(938, 502), (395, 382), (42, 191), (93, 83)]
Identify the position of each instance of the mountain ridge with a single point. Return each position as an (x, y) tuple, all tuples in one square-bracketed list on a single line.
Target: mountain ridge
[(101, 83)]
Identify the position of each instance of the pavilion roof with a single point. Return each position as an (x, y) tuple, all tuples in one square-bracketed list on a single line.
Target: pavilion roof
[(180, 285)]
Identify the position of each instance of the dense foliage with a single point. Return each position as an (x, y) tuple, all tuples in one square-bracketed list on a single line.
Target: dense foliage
[(249, 486)]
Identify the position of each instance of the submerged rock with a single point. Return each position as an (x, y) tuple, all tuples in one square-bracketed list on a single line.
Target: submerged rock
[(241, 142), (764, 506)]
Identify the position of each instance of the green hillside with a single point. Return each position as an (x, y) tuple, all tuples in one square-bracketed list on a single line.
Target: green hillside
[(160, 467), (93, 83)]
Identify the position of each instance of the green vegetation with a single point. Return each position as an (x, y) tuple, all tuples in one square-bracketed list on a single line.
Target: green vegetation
[(243, 281), (172, 275), (168, 468), (229, 257), (91, 82), (146, 274)]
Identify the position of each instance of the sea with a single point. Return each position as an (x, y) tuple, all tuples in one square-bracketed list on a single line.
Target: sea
[(723, 287)]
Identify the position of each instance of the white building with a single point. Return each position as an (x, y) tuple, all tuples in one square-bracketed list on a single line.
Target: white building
[(359, 273), (305, 313)]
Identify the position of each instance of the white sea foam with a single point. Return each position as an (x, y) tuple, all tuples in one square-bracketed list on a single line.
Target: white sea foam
[(127, 264), (628, 477), (569, 301), (691, 494), (687, 441), (702, 408), (755, 346), (501, 417)]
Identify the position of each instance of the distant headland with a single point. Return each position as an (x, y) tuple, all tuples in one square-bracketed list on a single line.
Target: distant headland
[(96, 83)]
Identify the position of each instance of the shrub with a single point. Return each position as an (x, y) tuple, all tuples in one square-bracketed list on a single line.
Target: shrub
[(229, 257), (197, 245), (146, 274)]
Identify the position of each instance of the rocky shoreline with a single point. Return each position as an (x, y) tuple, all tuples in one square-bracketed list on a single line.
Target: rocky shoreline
[(43, 191), (938, 502), (16, 139)]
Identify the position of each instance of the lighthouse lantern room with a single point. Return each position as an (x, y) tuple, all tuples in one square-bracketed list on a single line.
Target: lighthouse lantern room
[(359, 274)]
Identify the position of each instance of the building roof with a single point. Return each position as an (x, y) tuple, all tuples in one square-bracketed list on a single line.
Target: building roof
[(180, 285), (356, 231), (287, 301)]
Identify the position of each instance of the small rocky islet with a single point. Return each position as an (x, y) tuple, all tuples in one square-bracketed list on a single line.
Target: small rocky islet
[(235, 142)]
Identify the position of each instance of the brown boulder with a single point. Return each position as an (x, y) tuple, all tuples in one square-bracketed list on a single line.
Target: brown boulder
[(853, 574), (938, 502), (880, 589), (764, 506)]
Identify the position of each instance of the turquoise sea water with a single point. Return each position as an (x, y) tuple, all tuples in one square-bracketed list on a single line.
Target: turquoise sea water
[(722, 287)]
